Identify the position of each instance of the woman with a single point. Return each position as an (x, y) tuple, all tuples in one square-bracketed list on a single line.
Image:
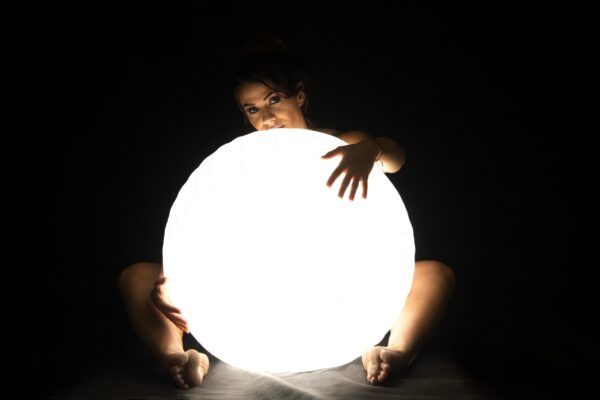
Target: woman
[(270, 91)]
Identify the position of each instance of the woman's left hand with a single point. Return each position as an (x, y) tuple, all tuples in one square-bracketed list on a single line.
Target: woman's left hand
[(357, 162)]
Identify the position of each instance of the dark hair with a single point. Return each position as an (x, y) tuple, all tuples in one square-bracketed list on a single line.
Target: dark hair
[(265, 60)]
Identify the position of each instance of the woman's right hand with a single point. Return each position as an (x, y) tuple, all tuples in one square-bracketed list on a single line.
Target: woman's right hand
[(161, 300)]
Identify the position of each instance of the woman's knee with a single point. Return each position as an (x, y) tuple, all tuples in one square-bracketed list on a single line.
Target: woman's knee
[(137, 273), (436, 270)]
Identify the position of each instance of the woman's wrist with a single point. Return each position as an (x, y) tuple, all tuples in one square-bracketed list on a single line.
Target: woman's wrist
[(379, 153)]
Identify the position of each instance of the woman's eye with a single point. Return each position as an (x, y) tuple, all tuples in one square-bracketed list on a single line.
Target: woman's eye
[(251, 110), (274, 100)]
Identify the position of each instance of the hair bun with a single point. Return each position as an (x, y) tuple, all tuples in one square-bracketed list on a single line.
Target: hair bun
[(264, 43)]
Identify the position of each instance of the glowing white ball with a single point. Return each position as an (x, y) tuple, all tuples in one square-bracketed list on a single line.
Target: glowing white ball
[(273, 271)]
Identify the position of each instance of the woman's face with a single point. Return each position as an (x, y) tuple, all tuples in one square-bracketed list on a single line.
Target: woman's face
[(267, 109)]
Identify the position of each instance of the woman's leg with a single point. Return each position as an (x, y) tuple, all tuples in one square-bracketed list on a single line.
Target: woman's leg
[(160, 335), (431, 288)]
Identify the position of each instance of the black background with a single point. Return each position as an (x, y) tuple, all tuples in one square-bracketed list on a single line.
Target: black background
[(117, 106)]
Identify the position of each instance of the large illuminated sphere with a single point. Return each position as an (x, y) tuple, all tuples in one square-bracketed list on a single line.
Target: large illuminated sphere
[(273, 271)]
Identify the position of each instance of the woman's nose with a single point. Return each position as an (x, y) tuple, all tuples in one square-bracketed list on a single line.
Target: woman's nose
[(268, 119)]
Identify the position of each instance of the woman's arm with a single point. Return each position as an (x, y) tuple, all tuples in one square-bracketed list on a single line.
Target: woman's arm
[(358, 158)]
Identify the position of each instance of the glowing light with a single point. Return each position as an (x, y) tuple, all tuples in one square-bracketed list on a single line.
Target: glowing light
[(273, 271)]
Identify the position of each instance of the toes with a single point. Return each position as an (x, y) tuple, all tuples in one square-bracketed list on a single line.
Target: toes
[(181, 383), (177, 375), (187, 369), (371, 362), (378, 362), (177, 359), (176, 363), (382, 376), (373, 372), (385, 367), (196, 368), (384, 372)]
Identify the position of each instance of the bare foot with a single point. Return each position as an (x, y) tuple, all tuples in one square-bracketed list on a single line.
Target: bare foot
[(187, 369), (379, 362)]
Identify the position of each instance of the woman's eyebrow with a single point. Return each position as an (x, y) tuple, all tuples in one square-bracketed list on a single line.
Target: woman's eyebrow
[(264, 98)]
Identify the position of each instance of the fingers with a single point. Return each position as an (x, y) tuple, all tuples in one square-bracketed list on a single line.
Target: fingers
[(169, 308), (160, 282), (355, 180), (173, 314), (335, 174), (332, 153), (179, 322), (354, 177), (177, 319), (344, 185), (158, 299), (354, 188), (365, 185)]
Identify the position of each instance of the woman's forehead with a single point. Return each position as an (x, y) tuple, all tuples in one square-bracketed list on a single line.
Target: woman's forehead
[(253, 92)]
